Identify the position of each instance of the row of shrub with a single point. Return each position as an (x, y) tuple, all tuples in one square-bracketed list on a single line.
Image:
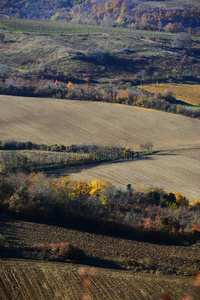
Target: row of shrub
[(148, 213), (60, 156), (73, 148), (61, 90), (53, 252)]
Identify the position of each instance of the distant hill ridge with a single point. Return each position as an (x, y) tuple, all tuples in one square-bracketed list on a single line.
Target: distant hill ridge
[(171, 16)]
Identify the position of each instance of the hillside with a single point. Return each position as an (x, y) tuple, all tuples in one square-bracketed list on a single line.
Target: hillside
[(100, 62), (154, 15), (68, 122), (26, 279), (171, 170), (130, 222), (43, 120), (186, 93)]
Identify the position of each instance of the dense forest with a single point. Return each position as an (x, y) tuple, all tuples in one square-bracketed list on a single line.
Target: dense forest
[(137, 14)]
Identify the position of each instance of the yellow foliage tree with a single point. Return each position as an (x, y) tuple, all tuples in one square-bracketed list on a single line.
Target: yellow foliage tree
[(54, 17), (98, 187), (181, 199), (81, 188), (126, 153), (120, 20), (196, 203)]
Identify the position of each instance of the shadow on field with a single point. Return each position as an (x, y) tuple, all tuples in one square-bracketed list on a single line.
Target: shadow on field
[(66, 171), (98, 227), (166, 154), (102, 263)]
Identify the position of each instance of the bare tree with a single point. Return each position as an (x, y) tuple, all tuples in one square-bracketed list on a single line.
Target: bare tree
[(147, 147), (2, 37), (98, 54), (182, 41)]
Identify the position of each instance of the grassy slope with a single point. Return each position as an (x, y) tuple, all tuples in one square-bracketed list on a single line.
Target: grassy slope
[(67, 122), (151, 56)]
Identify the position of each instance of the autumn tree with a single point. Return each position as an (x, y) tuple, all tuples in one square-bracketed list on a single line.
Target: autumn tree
[(181, 199)]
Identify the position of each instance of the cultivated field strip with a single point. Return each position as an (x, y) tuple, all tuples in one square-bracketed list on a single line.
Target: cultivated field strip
[(175, 172), (69, 121), (22, 280), (57, 28), (185, 92), (51, 121)]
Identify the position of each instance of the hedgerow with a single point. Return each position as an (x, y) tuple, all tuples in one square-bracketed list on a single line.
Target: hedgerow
[(59, 156), (58, 89), (151, 213)]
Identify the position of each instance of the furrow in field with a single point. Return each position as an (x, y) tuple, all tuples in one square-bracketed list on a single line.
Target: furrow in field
[(171, 172), (95, 290), (44, 280), (51, 283), (24, 292), (104, 288), (10, 284), (3, 286), (35, 280), (73, 286), (65, 284), (70, 121), (28, 288)]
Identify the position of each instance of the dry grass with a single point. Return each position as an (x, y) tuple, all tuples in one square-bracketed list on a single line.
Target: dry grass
[(187, 93), (31, 45)]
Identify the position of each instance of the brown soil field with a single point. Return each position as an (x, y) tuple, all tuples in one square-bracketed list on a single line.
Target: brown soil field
[(27, 279), (176, 171), (23, 280), (69, 121)]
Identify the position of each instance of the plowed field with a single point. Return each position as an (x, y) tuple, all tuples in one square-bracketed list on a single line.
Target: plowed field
[(29, 280), (41, 280), (65, 121), (172, 170), (69, 121)]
